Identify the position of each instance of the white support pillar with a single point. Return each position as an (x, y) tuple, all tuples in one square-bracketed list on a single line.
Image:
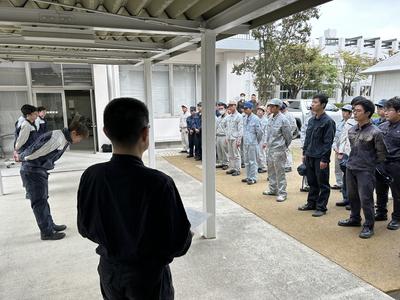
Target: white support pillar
[(149, 103), (208, 91)]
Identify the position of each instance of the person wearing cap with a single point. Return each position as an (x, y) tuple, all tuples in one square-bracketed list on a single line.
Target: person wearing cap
[(380, 110), (220, 130), (294, 129), (234, 134), (304, 183), (183, 128), (391, 166), (198, 142), (316, 156), (261, 155), (368, 151), (342, 149), (252, 135), (346, 114), (277, 140), (192, 123)]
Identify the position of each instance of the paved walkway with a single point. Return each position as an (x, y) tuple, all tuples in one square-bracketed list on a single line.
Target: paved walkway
[(250, 259)]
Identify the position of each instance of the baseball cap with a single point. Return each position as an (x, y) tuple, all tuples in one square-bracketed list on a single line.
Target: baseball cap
[(232, 102), (248, 104), (347, 107), (275, 101), (193, 108), (381, 103), (184, 105)]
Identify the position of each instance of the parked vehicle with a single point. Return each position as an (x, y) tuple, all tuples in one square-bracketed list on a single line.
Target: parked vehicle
[(301, 107)]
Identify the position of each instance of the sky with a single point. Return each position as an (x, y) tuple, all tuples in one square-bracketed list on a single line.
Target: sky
[(367, 18)]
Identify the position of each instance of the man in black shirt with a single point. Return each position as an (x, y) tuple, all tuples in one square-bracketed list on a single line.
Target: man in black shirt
[(134, 213), (316, 156), (391, 166), (368, 150)]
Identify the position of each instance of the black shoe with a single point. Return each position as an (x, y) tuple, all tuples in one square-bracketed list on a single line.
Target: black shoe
[(59, 227), (288, 170), (245, 179), (261, 170), (342, 203), (366, 232), (319, 213), (251, 181), (380, 217), (348, 207), (336, 187), (190, 155), (183, 151), (236, 173), (53, 236), (197, 158), (306, 207), (393, 225), (231, 171), (225, 168), (349, 223), (242, 165), (305, 189)]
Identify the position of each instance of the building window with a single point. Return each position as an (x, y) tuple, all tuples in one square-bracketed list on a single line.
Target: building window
[(10, 110), (77, 75), (12, 74), (184, 86), (160, 90), (365, 91), (131, 80), (46, 74)]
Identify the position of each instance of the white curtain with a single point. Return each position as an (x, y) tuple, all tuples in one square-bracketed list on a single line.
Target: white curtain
[(184, 86), (131, 80), (160, 90)]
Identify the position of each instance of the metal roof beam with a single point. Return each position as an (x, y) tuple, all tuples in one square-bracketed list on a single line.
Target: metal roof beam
[(98, 44), (98, 21), (62, 60)]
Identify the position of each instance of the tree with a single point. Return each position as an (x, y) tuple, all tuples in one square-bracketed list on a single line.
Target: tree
[(350, 66), (300, 67), (272, 38)]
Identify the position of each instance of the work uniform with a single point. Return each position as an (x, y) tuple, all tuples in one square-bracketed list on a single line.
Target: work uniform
[(183, 130), (221, 141), (41, 125), (344, 148), (335, 147), (136, 216), (252, 134), (234, 133), (261, 154), (192, 123), (293, 128), (198, 143), (37, 160), (317, 148), (277, 139), (367, 151), (391, 166)]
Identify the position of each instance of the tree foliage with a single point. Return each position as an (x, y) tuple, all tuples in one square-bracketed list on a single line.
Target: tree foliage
[(273, 39), (350, 66)]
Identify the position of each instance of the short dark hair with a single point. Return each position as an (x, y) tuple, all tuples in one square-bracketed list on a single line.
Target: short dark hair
[(393, 103), (253, 94), (222, 104), (27, 109), (356, 99), (322, 98), (124, 120), (367, 105), (41, 108), (80, 128), (242, 94)]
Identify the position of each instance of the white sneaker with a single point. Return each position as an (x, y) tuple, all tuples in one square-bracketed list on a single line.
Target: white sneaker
[(269, 193), (280, 198)]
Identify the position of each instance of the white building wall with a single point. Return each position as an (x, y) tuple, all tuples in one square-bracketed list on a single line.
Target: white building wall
[(386, 85)]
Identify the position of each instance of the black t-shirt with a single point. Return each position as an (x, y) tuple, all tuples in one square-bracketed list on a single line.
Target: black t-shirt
[(135, 214)]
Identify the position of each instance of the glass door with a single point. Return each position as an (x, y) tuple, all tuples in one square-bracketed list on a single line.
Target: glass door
[(79, 106), (54, 103)]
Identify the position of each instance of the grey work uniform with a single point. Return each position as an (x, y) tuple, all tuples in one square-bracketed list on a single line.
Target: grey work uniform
[(234, 133), (293, 127), (278, 139), (222, 145), (391, 166), (261, 154), (252, 134), (367, 151), (335, 146)]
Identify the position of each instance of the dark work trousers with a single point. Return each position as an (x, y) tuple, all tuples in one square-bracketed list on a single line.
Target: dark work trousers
[(198, 145), (123, 282), (24, 186), (37, 186), (191, 143), (392, 168), (318, 180), (360, 189)]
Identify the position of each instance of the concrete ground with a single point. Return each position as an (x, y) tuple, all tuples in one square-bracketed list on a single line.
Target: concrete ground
[(250, 259)]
